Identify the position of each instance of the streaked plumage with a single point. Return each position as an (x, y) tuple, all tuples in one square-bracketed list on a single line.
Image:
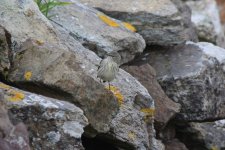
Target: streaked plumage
[(108, 68)]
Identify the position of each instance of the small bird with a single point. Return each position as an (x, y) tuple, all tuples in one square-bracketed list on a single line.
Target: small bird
[(109, 67)]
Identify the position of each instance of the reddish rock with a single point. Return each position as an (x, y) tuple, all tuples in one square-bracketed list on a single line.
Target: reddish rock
[(165, 107), (221, 4)]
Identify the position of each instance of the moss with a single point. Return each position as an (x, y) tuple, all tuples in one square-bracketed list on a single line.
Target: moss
[(28, 75)]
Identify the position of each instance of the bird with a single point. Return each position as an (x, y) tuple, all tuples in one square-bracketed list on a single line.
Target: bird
[(109, 67)]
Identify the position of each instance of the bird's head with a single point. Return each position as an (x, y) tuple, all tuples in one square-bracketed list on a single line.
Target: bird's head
[(115, 56)]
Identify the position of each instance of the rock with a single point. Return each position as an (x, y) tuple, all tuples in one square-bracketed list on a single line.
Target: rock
[(52, 124), (175, 144), (193, 75), (132, 127), (49, 61), (98, 32), (43, 64), (205, 135), (221, 5), (160, 22), (4, 52), (165, 107), (205, 16), (11, 136)]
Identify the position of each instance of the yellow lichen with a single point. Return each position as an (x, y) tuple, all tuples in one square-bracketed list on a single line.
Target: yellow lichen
[(15, 96), (28, 75), (39, 42), (4, 86), (108, 20), (129, 26), (117, 94), (214, 148), (148, 111), (132, 135)]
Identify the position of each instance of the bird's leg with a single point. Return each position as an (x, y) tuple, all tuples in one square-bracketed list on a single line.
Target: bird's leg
[(109, 85)]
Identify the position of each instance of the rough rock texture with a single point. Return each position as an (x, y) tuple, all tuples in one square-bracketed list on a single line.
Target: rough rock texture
[(165, 107), (4, 51), (205, 16), (55, 64), (52, 124), (96, 33), (175, 144), (11, 136), (133, 124), (193, 75), (43, 64), (203, 136), (160, 22)]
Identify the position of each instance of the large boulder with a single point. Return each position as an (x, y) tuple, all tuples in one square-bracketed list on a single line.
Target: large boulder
[(98, 32), (204, 135), (42, 63), (50, 61), (166, 109), (205, 16), (52, 124), (160, 22), (132, 127), (193, 75)]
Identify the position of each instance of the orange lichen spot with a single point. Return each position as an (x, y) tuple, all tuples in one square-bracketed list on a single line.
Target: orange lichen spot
[(148, 111), (4, 86), (132, 135), (28, 75), (16, 96), (108, 20), (117, 94), (129, 26), (39, 42)]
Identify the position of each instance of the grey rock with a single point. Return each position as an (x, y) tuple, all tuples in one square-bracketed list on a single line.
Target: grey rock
[(4, 52), (205, 135), (131, 128), (166, 109), (160, 22), (84, 24), (193, 75), (205, 16), (42, 63), (52, 124)]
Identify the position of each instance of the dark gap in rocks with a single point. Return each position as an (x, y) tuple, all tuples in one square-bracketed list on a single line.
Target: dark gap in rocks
[(190, 138), (102, 141), (41, 89)]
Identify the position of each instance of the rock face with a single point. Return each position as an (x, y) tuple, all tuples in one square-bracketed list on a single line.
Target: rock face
[(165, 107), (206, 135), (160, 22), (193, 75), (52, 124), (42, 64), (50, 61), (205, 16), (98, 32)]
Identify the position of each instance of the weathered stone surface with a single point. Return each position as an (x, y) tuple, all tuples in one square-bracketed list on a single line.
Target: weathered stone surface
[(165, 107), (132, 127), (52, 124), (96, 33), (43, 64), (205, 16), (11, 136), (55, 64), (193, 75), (160, 22), (4, 52), (175, 144), (205, 135)]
